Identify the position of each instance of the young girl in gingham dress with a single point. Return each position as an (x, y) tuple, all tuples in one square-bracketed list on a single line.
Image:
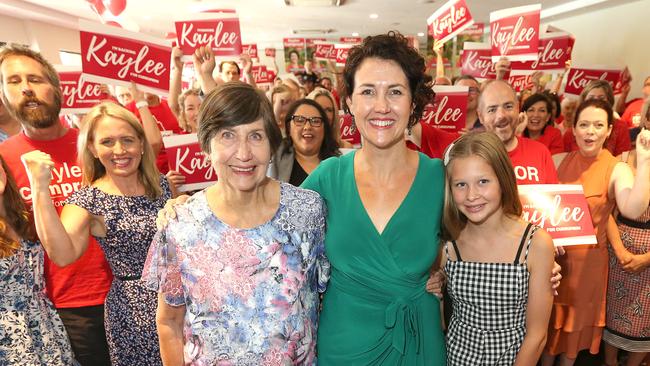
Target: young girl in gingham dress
[(496, 264)]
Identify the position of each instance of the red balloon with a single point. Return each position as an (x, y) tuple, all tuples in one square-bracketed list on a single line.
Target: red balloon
[(116, 7), (97, 6)]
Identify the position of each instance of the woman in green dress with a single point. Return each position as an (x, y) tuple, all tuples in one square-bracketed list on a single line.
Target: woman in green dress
[(384, 211)]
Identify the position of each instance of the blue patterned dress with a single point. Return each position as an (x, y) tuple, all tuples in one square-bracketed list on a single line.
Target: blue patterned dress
[(31, 332), (251, 295), (130, 309)]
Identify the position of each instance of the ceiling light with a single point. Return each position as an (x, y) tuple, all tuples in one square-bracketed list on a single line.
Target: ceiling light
[(355, 34), (313, 2), (374, 16), (420, 34)]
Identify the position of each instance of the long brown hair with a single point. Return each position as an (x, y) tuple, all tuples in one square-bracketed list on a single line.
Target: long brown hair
[(15, 217)]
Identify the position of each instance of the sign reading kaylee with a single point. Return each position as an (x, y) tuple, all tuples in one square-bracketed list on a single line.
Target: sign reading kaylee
[(561, 209), (185, 156)]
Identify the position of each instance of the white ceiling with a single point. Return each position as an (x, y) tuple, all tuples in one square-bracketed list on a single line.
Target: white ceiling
[(268, 21)]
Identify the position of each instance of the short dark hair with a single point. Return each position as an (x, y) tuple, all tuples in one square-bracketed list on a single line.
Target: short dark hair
[(233, 104), (555, 100), (456, 79), (596, 103), (536, 98), (230, 63), (329, 147), (392, 46)]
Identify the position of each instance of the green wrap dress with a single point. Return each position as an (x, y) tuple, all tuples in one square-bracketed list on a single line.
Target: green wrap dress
[(376, 310)]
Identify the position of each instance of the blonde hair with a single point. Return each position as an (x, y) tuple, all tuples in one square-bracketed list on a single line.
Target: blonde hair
[(93, 168), (489, 147), (181, 104)]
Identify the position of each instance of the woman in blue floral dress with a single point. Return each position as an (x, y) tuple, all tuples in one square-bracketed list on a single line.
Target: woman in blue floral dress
[(239, 268), (118, 205), (31, 332)]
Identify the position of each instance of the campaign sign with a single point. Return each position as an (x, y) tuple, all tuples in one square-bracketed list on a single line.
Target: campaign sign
[(554, 51), (111, 55), (269, 52), (185, 156), (294, 54), (515, 33), (520, 81), (578, 77), (325, 51), (351, 40), (342, 50), (561, 209), (475, 29), (349, 132), (261, 74), (220, 31), (449, 109), (250, 50), (449, 20), (476, 60), (78, 95)]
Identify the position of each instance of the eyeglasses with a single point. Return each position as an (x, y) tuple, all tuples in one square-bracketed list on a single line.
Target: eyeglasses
[(300, 121), (473, 90)]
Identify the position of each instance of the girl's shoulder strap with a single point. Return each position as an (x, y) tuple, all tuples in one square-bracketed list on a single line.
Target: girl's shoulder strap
[(528, 234)]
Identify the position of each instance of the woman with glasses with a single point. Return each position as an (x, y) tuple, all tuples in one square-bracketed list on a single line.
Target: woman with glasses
[(309, 141)]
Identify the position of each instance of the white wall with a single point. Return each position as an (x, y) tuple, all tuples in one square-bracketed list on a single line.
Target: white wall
[(46, 38), (616, 36)]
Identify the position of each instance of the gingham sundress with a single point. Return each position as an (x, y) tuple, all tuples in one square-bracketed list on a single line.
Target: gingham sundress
[(488, 321)]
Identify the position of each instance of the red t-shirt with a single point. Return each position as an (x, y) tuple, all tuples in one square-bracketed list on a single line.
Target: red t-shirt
[(633, 108), (166, 121), (552, 139), (434, 141), (532, 163), (617, 143), (87, 281)]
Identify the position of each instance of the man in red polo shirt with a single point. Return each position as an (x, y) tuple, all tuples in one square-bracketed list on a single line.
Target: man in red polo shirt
[(31, 92)]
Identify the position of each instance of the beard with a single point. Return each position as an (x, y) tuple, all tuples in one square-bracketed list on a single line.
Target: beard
[(43, 116)]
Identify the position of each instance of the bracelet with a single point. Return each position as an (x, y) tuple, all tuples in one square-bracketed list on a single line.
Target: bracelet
[(141, 104)]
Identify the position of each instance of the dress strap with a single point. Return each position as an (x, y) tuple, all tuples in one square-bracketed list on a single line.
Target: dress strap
[(521, 244), (458, 258)]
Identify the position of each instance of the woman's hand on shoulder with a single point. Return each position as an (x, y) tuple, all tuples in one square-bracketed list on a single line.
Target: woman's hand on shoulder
[(169, 212), (436, 283)]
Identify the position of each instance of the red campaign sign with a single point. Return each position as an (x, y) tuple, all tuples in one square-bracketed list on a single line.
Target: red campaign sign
[(311, 42), (325, 51), (342, 53), (476, 60), (449, 109), (578, 78), (271, 75), (449, 20), (185, 156), (561, 209), (553, 53), (349, 132), (351, 40), (249, 49), (115, 56), (269, 52), (475, 29), (78, 96), (293, 42), (261, 74), (220, 31), (515, 33), (521, 82)]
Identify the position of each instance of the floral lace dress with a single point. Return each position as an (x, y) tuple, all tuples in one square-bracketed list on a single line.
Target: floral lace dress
[(31, 332), (250, 295)]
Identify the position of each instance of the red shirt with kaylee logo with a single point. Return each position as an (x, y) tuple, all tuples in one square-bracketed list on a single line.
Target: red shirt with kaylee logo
[(87, 281)]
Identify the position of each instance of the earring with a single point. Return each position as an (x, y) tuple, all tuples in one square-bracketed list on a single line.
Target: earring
[(353, 125), (142, 153)]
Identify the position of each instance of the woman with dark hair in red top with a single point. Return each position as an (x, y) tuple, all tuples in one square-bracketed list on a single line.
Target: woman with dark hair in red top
[(538, 110)]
